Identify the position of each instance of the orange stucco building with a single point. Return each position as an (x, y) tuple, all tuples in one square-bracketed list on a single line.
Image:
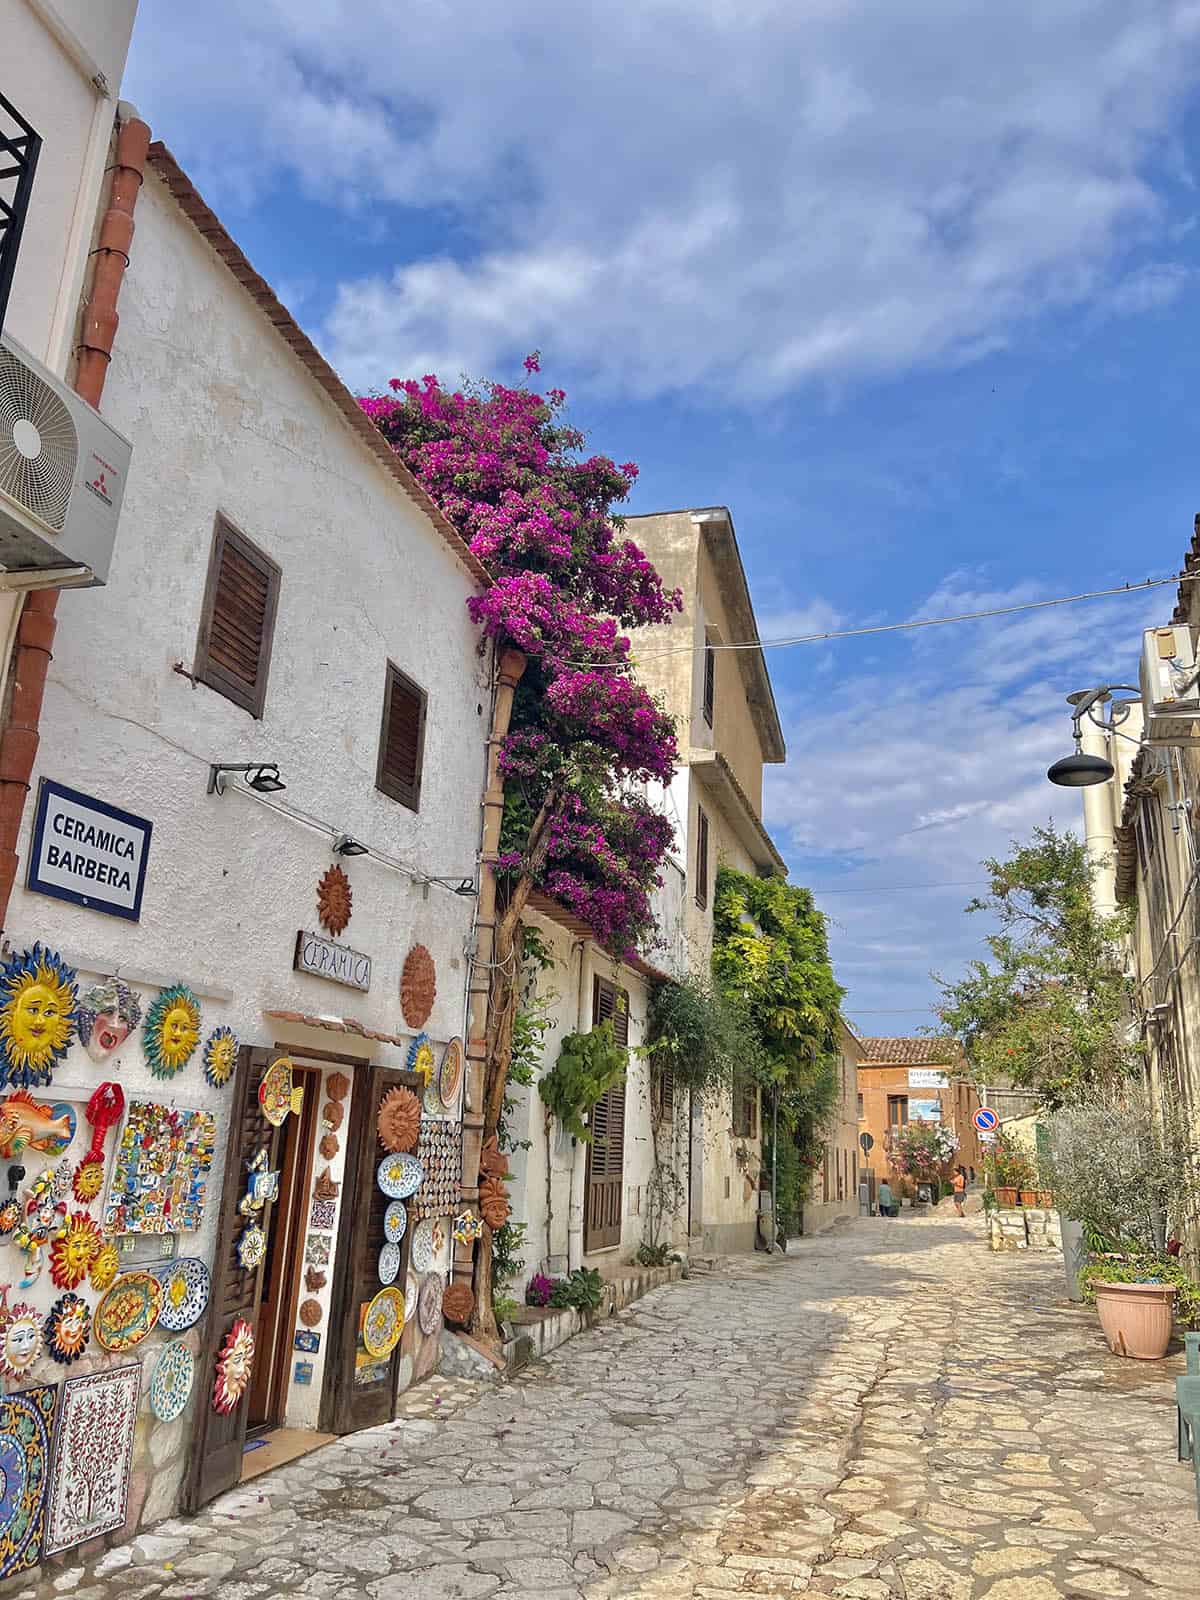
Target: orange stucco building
[(911, 1080)]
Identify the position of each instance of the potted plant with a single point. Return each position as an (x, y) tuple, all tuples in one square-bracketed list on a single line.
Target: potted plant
[(1025, 1180), (1138, 1298), (1004, 1167)]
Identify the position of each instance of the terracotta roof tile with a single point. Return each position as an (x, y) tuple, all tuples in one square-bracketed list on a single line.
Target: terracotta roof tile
[(908, 1052), (338, 1025)]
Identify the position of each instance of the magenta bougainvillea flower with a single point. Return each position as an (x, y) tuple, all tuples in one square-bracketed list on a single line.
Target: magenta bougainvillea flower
[(511, 476)]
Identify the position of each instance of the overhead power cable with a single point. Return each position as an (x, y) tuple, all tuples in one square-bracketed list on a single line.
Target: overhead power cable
[(900, 627)]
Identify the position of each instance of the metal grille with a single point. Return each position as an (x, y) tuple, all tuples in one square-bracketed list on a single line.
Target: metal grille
[(19, 150), (38, 446)]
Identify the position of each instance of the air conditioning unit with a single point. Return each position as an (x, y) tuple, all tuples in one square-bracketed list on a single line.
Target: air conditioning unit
[(62, 475), (1170, 681)]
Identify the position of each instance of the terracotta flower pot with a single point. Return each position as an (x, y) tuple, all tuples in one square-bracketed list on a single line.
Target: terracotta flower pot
[(1029, 1197), (1136, 1318), (1046, 1199), (1005, 1196)]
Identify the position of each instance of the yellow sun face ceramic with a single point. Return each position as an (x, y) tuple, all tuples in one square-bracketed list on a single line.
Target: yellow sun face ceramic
[(103, 1272), (37, 1015), (172, 1031), (89, 1180)]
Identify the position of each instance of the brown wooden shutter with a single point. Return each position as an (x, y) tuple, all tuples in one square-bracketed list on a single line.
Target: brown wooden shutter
[(701, 858), (606, 1153), (401, 740), (237, 624), (710, 681), (745, 1108)]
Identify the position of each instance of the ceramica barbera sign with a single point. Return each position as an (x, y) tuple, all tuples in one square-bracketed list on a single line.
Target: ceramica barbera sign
[(88, 852), (325, 958)]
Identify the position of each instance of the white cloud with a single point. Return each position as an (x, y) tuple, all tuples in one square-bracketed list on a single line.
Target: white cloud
[(717, 198)]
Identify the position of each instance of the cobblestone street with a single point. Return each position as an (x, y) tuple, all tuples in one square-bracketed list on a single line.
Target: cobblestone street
[(889, 1411)]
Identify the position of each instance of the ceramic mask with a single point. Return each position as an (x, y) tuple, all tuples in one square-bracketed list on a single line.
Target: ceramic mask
[(108, 1014), (23, 1341)]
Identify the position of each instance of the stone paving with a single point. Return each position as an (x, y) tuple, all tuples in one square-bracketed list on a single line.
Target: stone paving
[(889, 1411)]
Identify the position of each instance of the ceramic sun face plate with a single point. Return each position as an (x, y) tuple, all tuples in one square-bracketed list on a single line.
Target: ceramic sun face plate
[(395, 1222), (383, 1323), (128, 1311), (186, 1285), (171, 1384), (400, 1176), (389, 1263)]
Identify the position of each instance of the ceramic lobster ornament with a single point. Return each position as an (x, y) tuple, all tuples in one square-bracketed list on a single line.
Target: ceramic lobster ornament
[(103, 1109)]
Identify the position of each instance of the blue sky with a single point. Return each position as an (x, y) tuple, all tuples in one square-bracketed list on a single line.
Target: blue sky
[(915, 291)]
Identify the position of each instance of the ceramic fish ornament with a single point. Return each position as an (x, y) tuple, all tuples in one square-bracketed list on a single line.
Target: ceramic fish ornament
[(29, 1124)]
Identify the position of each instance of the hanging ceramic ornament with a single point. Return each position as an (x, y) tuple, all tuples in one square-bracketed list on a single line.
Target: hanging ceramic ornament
[(172, 1031), (421, 1057), (11, 1210), (492, 1160), (458, 1302), (129, 1311), (335, 901), (103, 1109), (418, 986), (337, 1086), (37, 1016), (171, 1384), (383, 1323), (493, 1203), (21, 1336), (102, 1273), (429, 1304), (399, 1121), (220, 1056), (73, 1250), (467, 1228), (68, 1327), (43, 1217), (275, 1091), (108, 1013), (234, 1366), (252, 1248), (328, 1146), (29, 1124), (450, 1074), (187, 1285)]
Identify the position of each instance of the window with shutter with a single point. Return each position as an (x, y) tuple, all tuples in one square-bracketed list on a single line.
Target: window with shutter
[(745, 1108), (401, 740), (663, 1083), (701, 858), (710, 681), (606, 1152), (237, 623)]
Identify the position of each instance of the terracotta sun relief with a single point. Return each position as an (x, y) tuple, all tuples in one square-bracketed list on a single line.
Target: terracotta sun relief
[(335, 901)]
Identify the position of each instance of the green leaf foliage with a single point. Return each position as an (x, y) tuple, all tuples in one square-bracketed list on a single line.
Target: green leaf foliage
[(1049, 1010), (702, 1036), (588, 1065)]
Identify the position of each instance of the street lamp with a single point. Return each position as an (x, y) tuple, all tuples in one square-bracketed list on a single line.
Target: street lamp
[(1078, 770)]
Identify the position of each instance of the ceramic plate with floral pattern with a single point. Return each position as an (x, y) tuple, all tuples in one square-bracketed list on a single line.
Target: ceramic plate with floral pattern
[(400, 1176), (395, 1222)]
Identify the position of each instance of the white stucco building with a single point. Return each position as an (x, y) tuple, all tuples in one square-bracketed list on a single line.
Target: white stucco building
[(284, 599)]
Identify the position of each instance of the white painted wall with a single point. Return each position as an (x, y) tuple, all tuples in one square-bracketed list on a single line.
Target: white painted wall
[(223, 416)]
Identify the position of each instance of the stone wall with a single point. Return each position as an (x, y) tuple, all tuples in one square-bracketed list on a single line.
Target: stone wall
[(1024, 1228)]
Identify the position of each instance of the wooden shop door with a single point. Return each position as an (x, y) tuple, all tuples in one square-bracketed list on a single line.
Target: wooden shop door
[(605, 1181), (360, 1392), (219, 1441), (284, 1264)]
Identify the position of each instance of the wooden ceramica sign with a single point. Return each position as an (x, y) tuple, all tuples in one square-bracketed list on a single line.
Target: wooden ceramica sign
[(325, 958), (88, 852)]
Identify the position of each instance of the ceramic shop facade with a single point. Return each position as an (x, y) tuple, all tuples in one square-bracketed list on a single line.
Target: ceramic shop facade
[(246, 1090)]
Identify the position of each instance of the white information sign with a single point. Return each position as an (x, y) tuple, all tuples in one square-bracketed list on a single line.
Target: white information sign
[(926, 1078), (87, 851)]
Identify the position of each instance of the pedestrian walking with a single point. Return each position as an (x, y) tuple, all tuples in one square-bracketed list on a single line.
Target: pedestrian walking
[(886, 1206), (960, 1190)]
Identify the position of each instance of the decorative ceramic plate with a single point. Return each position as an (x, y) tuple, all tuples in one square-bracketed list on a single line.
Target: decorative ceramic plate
[(431, 1101), (275, 1091), (174, 1373), (411, 1290), (186, 1287), (128, 1311), (252, 1248), (395, 1222), (429, 1304), (383, 1323), (389, 1263), (422, 1251), (399, 1176), (450, 1073)]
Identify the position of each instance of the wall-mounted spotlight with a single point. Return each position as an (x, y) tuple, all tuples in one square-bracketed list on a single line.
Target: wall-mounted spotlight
[(344, 845), (263, 776)]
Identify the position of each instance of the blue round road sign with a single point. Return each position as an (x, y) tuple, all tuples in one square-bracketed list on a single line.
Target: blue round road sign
[(985, 1119)]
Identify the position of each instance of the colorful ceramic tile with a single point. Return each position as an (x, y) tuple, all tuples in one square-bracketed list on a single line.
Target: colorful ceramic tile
[(186, 1288), (316, 1250), (26, 1423), (89, 1487), (161, 1170), (172, 1031), (37, 1016), (323, 1214), (128, 1311), (308, 1340), (171, 1384), (302, 1373)]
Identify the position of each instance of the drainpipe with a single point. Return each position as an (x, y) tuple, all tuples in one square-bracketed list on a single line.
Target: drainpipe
[(512, 665), (579, 1151), (36, 629)]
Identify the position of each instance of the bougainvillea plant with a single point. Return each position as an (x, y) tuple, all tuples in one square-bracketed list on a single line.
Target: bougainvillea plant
[(585, 737)]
